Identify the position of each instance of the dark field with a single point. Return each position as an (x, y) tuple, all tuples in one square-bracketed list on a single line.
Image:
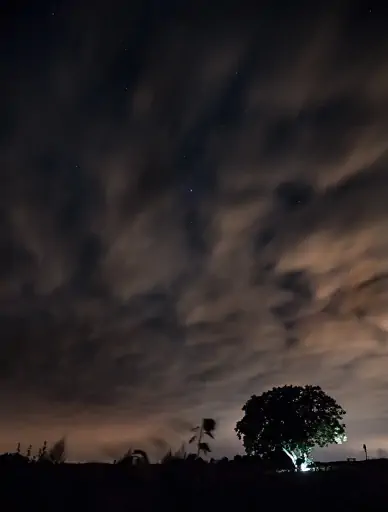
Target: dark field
[(201, 487)]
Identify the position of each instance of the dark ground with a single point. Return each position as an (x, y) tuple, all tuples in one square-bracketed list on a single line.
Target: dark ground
[(105, 487)]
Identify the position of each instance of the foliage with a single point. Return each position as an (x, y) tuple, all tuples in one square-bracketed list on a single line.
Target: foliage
[(134, 458), (206, 428), (292, 418), (14, 459), (57, 451), (179, 455), (55, 455)]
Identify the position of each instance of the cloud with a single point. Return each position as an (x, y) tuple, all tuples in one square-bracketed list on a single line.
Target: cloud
[(190, 216)]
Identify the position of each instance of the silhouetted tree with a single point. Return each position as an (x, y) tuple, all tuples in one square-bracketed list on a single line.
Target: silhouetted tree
[(294, 419), (206, 428)]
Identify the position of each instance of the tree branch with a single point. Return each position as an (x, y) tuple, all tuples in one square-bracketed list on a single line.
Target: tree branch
[(291, 455)]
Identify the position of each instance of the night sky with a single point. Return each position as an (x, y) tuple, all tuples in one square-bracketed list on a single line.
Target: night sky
[(193, 208)]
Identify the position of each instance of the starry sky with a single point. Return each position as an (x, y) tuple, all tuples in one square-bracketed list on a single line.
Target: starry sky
[(192, 209)]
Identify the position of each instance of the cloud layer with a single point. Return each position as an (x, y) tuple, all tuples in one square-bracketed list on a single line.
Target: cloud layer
[(190, 215)]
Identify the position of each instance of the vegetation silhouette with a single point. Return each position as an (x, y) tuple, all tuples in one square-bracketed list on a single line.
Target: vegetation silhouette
[(133, 458), (181, 480), (294, 419), (206, 428)]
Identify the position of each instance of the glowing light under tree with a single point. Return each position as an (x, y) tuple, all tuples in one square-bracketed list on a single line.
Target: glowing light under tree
[(301, 456)]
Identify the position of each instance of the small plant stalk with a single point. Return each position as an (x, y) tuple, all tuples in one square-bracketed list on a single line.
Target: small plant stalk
[(199, 440)]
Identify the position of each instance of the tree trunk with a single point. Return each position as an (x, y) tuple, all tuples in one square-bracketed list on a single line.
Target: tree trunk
[(292, 456), (300, 463)]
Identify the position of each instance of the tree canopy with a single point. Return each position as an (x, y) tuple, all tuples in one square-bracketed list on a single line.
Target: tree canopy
[(292, 418)]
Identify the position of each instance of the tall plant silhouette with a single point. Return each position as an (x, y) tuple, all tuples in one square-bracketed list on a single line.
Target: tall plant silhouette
[(206, 428), (365, 450)]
